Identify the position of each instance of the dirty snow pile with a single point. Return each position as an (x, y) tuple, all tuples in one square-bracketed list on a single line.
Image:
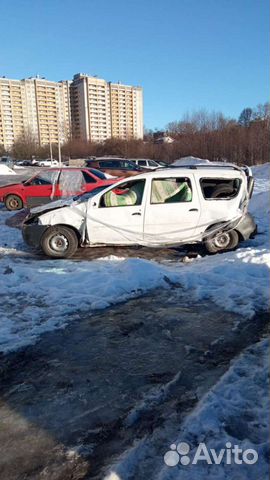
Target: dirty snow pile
[(235, 412), (5, 170), (39, 295)]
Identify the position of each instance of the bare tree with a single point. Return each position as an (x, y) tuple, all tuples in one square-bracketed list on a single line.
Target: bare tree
[(202, 134), (25, 146)]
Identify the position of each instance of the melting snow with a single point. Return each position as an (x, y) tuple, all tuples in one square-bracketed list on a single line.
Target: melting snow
[(40, 295)]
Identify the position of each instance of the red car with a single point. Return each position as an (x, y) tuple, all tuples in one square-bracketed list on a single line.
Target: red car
[(52, 184)]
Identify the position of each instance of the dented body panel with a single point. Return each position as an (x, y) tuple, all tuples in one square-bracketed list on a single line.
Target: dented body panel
[(167, 207)]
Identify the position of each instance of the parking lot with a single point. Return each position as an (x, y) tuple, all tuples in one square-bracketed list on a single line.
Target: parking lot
[(105, 355), (79, 397)]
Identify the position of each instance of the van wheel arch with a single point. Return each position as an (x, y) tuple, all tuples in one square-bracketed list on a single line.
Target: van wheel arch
[(240, 235), (71, 228), (219, 226), (221, 241)]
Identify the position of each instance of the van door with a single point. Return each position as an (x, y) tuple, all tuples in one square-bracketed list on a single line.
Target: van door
[(173, 211), (221, 197), (116, 218)]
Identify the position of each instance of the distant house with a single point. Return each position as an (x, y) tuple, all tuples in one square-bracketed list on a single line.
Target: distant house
[(164, 139)]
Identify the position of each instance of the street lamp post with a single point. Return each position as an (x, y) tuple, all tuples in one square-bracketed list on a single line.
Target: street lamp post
[(50, 144), (51, 153), (59, 152), (59, 141)]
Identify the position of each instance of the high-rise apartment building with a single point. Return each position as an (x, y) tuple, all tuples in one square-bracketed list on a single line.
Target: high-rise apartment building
[(126, 111), (13, 111), (53, 111), (88, 109), (101, 110), (34, 107)]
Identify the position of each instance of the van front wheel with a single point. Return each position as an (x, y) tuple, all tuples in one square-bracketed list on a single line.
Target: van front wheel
[(59, 242), (222, 241)]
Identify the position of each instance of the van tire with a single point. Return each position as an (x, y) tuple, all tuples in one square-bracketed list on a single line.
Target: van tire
[(221, 190), (59, 242), (222, 241), (13, 202)]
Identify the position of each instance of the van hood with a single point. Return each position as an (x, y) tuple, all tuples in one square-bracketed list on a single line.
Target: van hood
[(63, 202), (35, 212)]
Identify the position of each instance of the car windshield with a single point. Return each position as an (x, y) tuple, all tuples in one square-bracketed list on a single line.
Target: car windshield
[(86, 196), (98, 173), (48, 177)]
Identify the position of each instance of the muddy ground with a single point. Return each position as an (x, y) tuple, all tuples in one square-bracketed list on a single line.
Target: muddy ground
[(74, 401)]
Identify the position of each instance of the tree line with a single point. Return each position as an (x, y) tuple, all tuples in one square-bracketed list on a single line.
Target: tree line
[(201, 134)]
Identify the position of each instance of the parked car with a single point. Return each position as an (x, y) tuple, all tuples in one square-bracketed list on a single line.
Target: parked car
[(50, 185), (117, 167), (27, 163), (145, 163), (47, 163), (162, 208), (24, 163)]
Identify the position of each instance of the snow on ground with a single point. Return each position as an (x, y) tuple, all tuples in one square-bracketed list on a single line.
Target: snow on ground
[(5, 170), (38, 295), (262, 175), (190, 161), (234, 411)]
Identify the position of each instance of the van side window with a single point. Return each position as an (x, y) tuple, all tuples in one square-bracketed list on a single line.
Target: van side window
[(171, 190), (124, 195), (220, 188)]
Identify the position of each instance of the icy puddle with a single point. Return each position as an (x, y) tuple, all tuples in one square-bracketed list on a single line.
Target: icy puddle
[(75, 401)]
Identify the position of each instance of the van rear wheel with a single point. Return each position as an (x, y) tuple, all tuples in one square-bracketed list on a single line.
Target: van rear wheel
[(222, 241), (59, 242)]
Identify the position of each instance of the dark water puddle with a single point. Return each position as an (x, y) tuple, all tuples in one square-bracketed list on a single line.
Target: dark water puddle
[(78, 398)]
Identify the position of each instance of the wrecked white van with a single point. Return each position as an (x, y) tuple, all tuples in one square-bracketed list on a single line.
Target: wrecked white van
[(167, 207)]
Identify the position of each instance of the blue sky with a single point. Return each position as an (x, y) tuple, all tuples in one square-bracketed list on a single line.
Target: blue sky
[(186, 54)]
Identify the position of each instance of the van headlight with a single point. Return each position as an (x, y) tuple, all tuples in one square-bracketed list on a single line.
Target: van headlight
[(32, 220)]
